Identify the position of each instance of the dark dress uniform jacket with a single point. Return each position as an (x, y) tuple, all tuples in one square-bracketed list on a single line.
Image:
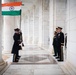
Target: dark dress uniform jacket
[(55, 45), (60, 38), (16, 47), (55, 41)]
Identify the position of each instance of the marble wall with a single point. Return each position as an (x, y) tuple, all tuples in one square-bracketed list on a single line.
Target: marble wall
[(71, 31), (60, 13)]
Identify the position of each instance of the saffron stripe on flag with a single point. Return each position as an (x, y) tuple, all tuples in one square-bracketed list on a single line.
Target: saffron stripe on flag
[(12, 4)]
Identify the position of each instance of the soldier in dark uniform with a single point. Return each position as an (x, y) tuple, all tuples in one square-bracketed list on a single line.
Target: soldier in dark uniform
[(60, 43), (55, 43), (15, 49)]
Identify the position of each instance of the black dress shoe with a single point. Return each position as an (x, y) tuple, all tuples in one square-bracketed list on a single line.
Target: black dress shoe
[(60, 60), (18, 56), (54, 55), (57, 57), (15, 61)]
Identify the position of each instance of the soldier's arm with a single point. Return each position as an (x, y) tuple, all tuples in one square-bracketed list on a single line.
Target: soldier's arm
[(62, 39)]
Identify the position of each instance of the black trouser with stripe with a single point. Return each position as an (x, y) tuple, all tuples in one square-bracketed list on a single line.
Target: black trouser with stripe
[(15, 56), (55, 50), (60, 52)]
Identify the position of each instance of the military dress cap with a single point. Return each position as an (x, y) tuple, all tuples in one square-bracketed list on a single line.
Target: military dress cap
[(56, 28), (60, 28), (17, 29)]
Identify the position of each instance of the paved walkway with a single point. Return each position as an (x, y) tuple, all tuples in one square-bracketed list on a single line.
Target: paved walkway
[(34, 61)]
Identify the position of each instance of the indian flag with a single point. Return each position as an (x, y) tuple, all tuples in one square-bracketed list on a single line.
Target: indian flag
[(12, 8)]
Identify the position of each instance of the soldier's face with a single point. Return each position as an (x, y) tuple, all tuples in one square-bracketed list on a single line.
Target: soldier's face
[(16, 32), (59, 30)]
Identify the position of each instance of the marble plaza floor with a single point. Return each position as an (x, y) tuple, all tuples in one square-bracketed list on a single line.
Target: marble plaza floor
[(34, 61)]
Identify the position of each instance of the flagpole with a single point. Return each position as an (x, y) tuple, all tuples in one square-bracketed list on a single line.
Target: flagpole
[(20, 18), (20, 21)]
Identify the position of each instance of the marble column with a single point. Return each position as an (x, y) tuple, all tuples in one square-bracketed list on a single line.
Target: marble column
[(1, 31), (45, 23), (28, 19), (36, 23), (40, 23), (51, 24), (33, 23), (25, 26), (31, 26), (9, 26)]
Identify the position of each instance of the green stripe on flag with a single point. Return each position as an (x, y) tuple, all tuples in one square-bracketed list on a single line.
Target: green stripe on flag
[(11, 13)]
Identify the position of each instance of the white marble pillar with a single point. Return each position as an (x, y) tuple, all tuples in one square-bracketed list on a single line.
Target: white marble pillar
[(51, 24), (1, 31), (25, 27), (31, 27), (45, 23), (36, 23), (33, 22), (8, 33), (28, 25), (40, 23)]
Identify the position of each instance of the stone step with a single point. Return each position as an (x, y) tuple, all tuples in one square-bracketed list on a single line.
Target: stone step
[(68, 68), (2, 67)]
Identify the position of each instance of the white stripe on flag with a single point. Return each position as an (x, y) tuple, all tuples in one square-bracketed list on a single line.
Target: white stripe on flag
[(7, 8)]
